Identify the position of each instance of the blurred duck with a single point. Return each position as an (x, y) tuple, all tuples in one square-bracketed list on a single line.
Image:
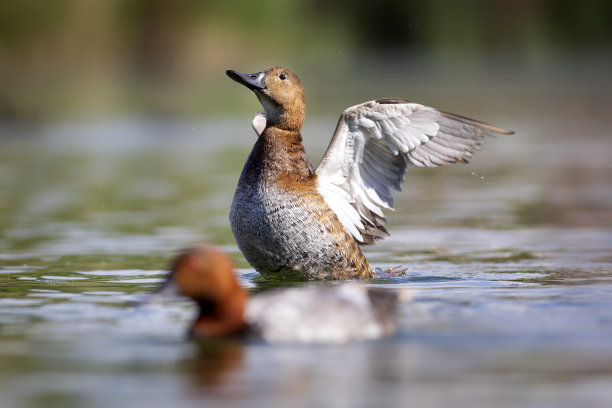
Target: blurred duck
[(315, 314), (291, 219)]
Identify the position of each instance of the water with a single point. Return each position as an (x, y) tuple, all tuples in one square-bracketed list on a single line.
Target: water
[(510, 272)]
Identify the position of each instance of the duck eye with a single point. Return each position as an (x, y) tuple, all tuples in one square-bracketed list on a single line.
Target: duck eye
[(282, 76)]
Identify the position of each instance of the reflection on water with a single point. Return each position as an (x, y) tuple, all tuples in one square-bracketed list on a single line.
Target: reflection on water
[(510, 268)]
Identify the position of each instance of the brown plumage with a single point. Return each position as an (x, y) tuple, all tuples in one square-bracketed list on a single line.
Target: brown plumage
[(278, 213)]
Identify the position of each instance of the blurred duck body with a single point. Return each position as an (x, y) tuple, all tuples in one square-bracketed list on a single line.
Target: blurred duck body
[(291, 219), (314, 314)]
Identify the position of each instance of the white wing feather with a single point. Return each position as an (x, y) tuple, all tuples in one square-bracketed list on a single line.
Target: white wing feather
[(259, 122), (373, 145)]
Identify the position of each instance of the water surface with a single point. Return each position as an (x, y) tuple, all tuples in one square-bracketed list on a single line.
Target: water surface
[(510, 273)]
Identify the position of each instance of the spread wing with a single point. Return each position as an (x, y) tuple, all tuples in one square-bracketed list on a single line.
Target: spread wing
[(373, 145)]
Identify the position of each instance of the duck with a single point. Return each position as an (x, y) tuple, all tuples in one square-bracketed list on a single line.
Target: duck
[(319, 314), (296, 222)]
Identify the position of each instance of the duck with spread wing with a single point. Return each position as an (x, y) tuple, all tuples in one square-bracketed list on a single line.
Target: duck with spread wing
[(293, 220)]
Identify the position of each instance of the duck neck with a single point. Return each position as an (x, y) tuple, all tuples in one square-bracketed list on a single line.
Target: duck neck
[(291, 119), (288, 117), (283, 153), (220, 318)]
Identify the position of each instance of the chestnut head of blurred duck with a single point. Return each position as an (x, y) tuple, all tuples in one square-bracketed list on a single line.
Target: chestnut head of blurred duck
[(281, 94), (205, 274)]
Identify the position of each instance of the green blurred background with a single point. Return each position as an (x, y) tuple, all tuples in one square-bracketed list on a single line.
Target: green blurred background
[(101, 58), (117, 115)]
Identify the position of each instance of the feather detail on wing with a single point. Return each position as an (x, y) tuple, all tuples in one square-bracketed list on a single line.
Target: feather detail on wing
[(371, 149)]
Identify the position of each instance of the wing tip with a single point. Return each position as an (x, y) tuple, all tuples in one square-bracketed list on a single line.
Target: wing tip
[(487, 126), (369, 237)]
